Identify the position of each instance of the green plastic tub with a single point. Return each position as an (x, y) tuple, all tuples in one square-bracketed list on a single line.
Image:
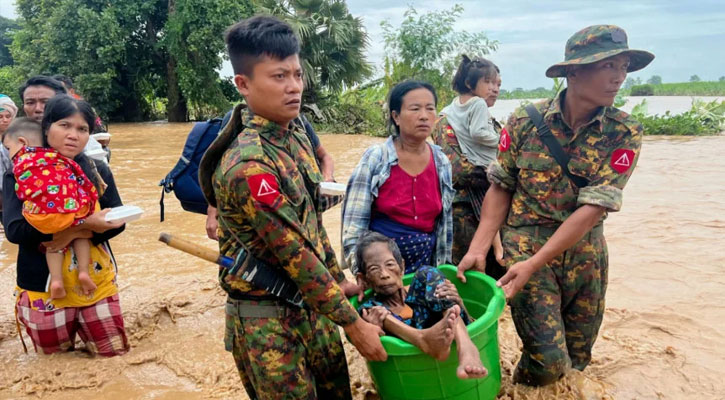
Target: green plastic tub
[(409, 374)]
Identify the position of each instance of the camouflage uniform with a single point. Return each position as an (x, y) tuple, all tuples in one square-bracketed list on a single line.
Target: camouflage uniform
[(263, 179), (470, 183), (559, 311)]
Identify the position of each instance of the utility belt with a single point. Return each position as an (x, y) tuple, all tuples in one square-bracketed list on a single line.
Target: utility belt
[(545, 231), (260, 308)]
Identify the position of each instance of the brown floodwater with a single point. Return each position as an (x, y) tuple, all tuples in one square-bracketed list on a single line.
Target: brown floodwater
[(662, 336)]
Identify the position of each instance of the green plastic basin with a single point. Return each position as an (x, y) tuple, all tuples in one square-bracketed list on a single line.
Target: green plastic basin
[(409, 374)]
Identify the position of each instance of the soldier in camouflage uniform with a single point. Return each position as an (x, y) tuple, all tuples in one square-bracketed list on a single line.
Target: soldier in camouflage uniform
[(261, 175), (552, 229)]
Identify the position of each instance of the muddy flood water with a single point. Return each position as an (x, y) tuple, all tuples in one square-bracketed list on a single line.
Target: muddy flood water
[(663, 335)]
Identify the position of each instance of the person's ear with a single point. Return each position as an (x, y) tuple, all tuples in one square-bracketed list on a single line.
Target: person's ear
[(242, 81), (396, 117), (402, 266), (22, 140), (361, 281)]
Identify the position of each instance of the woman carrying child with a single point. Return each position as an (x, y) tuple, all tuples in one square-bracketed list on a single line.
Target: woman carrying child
[(95, 316), (469, 136)]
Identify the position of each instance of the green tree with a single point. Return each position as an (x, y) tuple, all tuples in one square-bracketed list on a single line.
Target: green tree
[(655, 80), (722, 79), (333, 43), (7, 28), (426, 46), (632, 82), (125, 55), (694, 78)]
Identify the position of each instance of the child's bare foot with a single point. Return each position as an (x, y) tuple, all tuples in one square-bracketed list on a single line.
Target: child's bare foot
[(86, 282), (469, 361), (57, 291), (436, 340)]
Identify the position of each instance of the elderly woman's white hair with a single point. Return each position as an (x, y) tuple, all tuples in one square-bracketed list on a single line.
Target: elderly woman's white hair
[(7, 104)]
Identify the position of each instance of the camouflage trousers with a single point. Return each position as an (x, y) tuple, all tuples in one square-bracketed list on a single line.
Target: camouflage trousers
[(285, 352), (465, 224), (559, 311)]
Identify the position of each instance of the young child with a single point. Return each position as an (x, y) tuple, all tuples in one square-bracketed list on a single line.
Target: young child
[(429, 314), (56, 195)]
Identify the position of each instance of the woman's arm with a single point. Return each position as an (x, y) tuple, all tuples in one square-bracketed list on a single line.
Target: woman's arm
[(17, 229), (110, 199)]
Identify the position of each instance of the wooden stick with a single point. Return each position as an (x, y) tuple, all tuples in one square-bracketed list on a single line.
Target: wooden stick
[(190, 247)]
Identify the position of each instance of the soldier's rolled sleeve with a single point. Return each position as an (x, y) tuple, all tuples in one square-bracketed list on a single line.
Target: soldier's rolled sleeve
[(606, 186), (281, 232), (503, 170)]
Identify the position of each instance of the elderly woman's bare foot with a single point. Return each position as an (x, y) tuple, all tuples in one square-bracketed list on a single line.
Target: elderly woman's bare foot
[(436, 340), (469, 360)]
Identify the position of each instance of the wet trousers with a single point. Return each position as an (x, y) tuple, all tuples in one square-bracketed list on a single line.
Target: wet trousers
[(559, 311)]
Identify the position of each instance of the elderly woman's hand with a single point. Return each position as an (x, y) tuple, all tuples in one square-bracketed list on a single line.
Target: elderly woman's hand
[(447, 290), (375, 315), (97, 222)]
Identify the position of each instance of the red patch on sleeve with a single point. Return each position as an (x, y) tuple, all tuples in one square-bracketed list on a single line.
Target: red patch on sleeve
[(505, 142), (264, 188), (449, 131), (622, 160)]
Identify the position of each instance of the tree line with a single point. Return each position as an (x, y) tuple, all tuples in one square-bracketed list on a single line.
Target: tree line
[(137, 60)]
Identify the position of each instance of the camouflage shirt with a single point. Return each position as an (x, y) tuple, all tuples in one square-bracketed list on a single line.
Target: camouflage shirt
[(464, 173), (604, 151), (265, 187)]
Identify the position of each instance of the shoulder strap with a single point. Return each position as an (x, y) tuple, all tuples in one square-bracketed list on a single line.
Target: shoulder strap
[(553, 145)]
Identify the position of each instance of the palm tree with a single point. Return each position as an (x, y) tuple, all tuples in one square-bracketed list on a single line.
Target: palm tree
[(333, 43)]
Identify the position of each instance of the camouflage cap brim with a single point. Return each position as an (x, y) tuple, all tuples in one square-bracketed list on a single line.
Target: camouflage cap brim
[(638, 59)]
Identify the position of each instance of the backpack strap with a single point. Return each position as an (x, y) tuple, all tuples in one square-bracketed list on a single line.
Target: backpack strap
[(555, 149)]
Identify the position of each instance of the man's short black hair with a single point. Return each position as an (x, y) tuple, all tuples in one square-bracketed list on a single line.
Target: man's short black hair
[(65, 80), (252, 38), (366, 240), (42, 80), (25, 127)]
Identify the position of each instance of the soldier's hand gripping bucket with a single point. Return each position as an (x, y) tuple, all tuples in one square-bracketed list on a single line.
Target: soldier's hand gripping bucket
[(409, 374)]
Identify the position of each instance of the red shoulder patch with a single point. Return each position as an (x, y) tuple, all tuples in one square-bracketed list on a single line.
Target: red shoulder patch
[(622, 160), (264, 188), (505, 141), (449, 131)]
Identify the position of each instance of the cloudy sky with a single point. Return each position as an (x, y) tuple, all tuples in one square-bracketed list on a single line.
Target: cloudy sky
[(687, 37)]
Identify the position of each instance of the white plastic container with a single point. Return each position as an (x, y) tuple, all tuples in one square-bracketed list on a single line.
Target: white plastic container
[(96, 154), (332, 188), (124, 213), (101, 136)]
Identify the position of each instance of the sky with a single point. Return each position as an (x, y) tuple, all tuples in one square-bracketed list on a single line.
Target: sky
[(687, 37)]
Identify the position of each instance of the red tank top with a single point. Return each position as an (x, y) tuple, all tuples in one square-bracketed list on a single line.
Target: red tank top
[(414, 201)]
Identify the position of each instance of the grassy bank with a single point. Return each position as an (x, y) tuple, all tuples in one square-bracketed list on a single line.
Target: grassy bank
[(680, 89)]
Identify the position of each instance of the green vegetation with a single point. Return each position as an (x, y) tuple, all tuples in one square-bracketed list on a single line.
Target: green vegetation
[(687, 89), (140, 60), (424, 47), (123, 55), (642, 90), (702, 119)]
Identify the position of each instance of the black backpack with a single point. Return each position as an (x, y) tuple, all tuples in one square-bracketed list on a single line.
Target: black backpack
[(183, 179)]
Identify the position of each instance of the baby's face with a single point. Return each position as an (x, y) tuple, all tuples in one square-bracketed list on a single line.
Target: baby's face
[(383, 274)]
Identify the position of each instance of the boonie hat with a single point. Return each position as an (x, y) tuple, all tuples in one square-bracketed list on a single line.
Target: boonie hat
[(595, 43)]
